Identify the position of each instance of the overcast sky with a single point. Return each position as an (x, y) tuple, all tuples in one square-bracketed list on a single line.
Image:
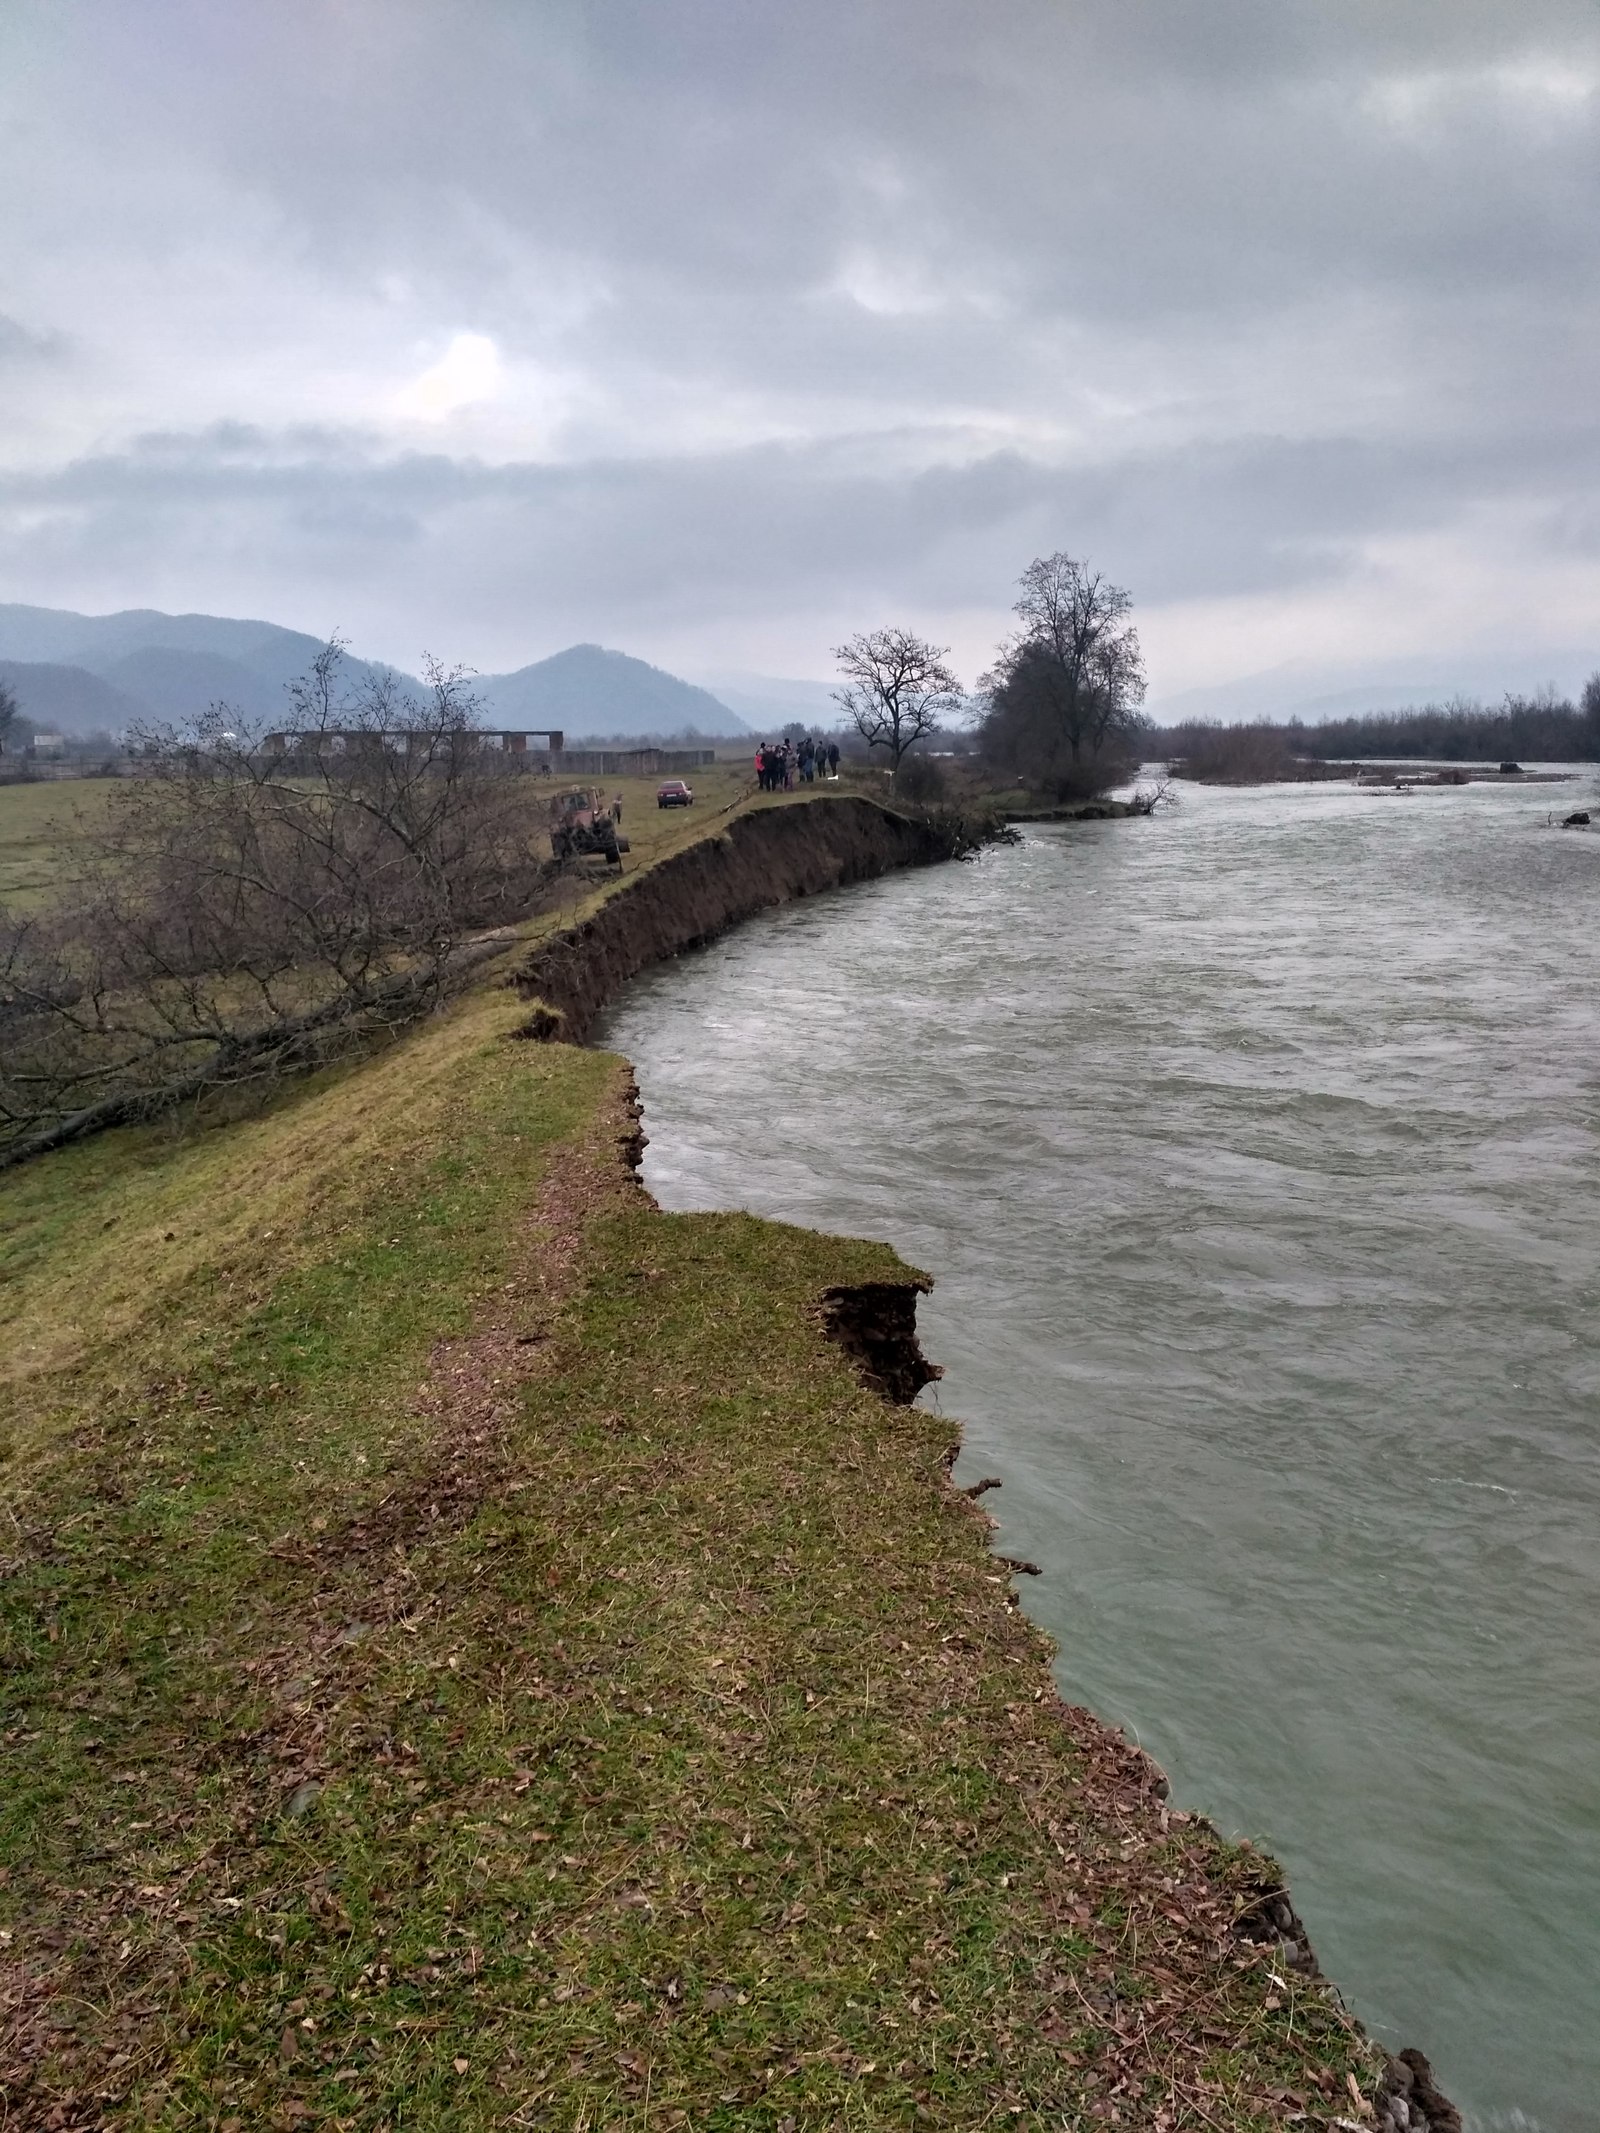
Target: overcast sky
[(716, 329)]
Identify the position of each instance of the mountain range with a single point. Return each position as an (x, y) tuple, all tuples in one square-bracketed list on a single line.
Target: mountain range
[(82, 674)]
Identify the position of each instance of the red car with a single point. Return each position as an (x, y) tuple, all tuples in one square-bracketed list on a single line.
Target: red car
[(674, 793)]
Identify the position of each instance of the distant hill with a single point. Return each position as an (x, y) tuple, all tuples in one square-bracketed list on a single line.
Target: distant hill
[(98, 642), (141, 664), (181, 683), (588, 690), (768, 704), (63, 699), (162, 666)]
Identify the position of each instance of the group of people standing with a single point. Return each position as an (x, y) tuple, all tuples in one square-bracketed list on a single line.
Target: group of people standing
[(781, 765)]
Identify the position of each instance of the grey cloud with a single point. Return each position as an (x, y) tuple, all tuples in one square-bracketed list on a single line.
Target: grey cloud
[(1223, 293), (605, 547), (1131, 154), (29, 344)]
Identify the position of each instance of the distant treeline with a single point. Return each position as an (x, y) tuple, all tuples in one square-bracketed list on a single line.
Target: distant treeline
[(1543, 728)]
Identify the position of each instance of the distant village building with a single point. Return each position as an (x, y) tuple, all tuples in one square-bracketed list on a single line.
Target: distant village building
[(48, 745), (542, 749)]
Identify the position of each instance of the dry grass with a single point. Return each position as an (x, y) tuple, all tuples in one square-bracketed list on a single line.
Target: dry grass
[(41, 828), (138, 1239)]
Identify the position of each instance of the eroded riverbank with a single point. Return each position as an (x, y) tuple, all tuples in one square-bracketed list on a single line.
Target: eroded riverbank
[(1258, 1170), (476, 1646)]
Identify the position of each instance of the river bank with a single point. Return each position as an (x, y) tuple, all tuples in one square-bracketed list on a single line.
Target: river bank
[(1254, 1149), (480, 1650), (1105, 810), (768, 856)]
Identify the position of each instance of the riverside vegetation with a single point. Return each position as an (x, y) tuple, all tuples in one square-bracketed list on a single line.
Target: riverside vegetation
[(1542, 728), (476, 1653)]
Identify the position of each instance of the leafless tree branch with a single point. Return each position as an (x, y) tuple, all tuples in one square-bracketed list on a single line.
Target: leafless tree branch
[(256, 900), (896, 689)]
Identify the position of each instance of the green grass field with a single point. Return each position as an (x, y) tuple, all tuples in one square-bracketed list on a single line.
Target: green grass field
[(44, 827), (473, 1654), (42, 831)]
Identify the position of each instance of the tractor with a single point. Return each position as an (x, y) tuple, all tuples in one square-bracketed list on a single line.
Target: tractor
[(581, 827)]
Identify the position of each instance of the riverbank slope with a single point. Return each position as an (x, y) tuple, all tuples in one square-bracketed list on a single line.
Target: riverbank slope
[(481, 1651)]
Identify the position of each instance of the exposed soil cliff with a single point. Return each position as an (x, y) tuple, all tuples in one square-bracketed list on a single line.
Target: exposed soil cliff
[(875, 1322), (764, 858)]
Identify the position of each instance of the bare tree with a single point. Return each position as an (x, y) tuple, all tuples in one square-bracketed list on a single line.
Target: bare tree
[(10, 711), (255, 901), (896, 687), (1064, 695)]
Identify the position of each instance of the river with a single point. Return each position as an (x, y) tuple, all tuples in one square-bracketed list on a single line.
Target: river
[(1255, 1149)]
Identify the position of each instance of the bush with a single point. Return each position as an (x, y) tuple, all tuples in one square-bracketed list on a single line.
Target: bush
[(922, 778), (1257, 754)]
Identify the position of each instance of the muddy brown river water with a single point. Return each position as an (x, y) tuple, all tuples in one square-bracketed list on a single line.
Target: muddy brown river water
[(1256, 1152)]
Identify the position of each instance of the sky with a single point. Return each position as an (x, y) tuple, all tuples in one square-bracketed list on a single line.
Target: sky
[(716, 330)]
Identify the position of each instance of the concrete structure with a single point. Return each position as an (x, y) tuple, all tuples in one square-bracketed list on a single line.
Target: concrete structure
[(510, 740), (530, 747)]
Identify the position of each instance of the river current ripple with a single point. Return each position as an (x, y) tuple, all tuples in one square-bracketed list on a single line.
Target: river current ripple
[(1256, 1152)]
